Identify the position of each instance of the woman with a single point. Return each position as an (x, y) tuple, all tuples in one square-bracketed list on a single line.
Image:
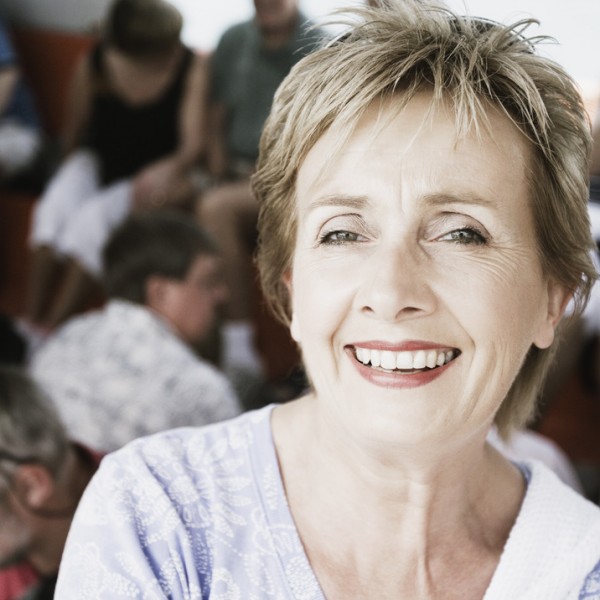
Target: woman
[(422, 183), (134, 133)]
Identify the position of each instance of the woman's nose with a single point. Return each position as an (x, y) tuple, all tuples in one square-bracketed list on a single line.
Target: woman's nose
[(396, 285)]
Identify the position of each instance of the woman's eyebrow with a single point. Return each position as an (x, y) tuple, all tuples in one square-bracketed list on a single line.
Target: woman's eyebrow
[(467, 198), (345, 200), (435, 199)]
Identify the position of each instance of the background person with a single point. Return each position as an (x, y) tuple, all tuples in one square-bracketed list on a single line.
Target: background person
[(135, 132), (13, 347), (42, 477), (249, 63), (414, 197), (128, 369)]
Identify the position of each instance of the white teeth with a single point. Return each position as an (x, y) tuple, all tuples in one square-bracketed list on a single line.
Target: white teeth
[(419, 360), (405, 361), (388, 360), (362, 355), (431, 359), (375, 358)]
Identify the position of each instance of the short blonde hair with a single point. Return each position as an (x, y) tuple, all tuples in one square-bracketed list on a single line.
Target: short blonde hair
[(396, 50)]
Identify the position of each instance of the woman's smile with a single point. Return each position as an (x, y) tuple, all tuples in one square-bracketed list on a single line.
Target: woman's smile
[(387, 365)]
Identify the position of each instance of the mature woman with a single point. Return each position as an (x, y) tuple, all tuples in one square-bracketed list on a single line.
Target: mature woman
[(423, 186)]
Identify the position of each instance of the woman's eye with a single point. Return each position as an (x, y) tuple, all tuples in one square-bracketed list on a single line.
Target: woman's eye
[(466, 236), (339, 237)]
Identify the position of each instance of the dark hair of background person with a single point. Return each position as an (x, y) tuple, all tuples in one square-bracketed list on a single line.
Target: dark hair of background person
[(143, 28), (156, 243), (30, 428), (13, 348)]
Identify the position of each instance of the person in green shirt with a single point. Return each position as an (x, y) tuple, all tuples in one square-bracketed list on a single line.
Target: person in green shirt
[(249, 63)]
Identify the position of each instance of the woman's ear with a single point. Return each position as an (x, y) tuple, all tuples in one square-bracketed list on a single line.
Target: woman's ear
[(294, 329), (557, 300)]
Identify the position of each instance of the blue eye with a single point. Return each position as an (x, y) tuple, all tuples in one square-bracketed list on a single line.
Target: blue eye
[(465, 236), (339, 237)]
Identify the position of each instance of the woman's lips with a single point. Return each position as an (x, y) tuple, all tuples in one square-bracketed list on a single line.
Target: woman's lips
[(411, 366)]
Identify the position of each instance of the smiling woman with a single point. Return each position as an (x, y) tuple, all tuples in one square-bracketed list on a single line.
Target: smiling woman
[(423, 191), (435, 235)]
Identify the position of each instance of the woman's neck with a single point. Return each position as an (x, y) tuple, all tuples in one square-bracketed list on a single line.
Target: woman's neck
[(365, 505)]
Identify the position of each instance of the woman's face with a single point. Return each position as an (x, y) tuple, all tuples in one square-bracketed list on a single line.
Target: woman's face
[(416, 286)]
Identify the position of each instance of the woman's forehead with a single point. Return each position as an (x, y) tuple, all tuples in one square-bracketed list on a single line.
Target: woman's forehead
[(418, 134)]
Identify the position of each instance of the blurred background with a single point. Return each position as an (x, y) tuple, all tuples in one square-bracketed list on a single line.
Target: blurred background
[(574, 25)]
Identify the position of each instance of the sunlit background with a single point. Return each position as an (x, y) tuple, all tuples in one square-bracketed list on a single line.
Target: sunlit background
[(574, 24)]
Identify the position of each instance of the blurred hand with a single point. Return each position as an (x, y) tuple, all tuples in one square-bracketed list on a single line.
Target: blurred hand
[(154, 186)]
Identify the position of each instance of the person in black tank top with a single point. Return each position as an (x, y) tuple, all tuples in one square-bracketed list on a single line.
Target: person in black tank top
[(126, 136), (135, 132)]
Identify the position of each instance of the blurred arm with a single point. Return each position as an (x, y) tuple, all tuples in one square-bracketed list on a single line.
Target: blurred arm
[(217, 158), (78, 105), (192, 132), (8, 80)]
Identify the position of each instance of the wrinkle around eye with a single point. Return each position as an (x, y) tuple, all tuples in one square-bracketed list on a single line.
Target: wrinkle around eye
[(503, 264)]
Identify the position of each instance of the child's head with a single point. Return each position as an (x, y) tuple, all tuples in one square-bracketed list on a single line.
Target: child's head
[(143, 29)]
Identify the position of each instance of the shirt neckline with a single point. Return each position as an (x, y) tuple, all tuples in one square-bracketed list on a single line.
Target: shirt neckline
[(264, 456)]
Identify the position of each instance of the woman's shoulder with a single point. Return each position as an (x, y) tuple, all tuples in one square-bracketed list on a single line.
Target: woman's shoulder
[(181, 513), (591, 587), (548, 496), (185, 448), (165, 472), (554, 545)]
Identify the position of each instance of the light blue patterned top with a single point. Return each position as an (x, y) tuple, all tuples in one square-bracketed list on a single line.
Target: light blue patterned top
[(201, 513)]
